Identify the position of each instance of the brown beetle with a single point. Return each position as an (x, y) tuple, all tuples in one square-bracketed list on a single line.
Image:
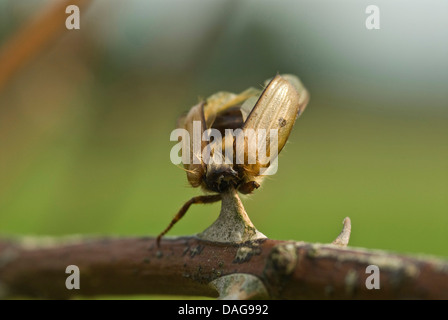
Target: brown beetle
[(274, 108)]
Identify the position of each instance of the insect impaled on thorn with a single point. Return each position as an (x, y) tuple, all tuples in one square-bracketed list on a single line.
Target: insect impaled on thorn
[(231, 141)]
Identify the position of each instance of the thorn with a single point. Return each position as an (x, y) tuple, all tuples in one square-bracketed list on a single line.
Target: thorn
[(344, 237), (239, 286), (233, 224)]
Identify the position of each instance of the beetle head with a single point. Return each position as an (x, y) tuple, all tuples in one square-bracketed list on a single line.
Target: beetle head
[(220, 178)]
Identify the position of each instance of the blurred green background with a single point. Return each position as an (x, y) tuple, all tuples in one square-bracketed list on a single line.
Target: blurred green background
[(84, 128)]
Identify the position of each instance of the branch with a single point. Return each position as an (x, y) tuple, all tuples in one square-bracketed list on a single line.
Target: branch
[(231, 259), (188, 266), (33, 38)]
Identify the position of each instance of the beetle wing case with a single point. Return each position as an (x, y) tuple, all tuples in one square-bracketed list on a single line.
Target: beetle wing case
[(276, 107)]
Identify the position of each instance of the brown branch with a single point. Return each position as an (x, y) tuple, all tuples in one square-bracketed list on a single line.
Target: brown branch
[(188, 266), (231, 259)]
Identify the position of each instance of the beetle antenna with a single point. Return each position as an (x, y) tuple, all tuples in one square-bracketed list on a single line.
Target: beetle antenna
[(186, 170)]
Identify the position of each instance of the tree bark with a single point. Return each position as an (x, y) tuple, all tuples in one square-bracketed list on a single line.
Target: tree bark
[(188, 266)]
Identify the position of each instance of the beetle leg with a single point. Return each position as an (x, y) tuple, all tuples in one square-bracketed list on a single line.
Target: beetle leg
[(184, 209)]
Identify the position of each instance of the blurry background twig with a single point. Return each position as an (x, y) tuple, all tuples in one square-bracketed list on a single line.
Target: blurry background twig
[(33, 38)]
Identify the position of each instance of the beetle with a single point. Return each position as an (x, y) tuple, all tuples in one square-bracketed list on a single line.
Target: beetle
[(276, 107)]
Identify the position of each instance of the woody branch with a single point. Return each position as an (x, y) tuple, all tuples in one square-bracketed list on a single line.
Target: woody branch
[(191, 266), (231, 259)]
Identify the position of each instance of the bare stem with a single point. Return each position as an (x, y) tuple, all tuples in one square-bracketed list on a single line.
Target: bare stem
[(188, 266)]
